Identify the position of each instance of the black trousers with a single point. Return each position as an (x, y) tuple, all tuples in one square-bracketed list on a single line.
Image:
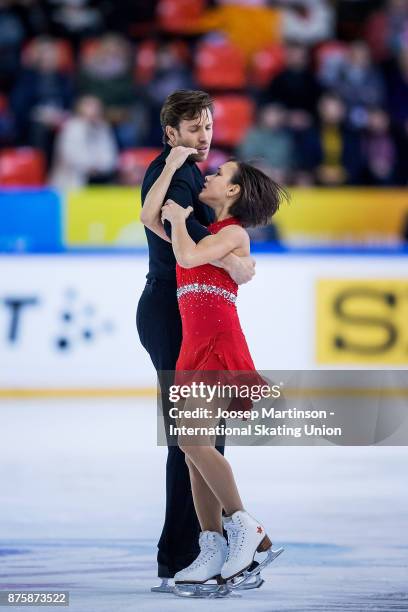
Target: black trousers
[(159, 326)]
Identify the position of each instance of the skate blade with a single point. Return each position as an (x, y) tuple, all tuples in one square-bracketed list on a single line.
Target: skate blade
[(254, 584), (164, 587), (203, 591), (240, 581)]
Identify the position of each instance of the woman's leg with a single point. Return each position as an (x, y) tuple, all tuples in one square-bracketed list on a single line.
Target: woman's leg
[(211, 465), (207, 506)]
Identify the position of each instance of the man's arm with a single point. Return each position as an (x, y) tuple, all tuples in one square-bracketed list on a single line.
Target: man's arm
[(180, 192), (154, 199), (240, 269)]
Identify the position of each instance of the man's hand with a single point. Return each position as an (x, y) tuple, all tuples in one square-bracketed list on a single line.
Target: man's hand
[(241, 269)]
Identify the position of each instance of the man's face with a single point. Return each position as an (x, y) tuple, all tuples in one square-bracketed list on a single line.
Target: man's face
[(196, 133)]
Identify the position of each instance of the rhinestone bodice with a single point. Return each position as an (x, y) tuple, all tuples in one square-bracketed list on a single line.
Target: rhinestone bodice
[(207, 294)]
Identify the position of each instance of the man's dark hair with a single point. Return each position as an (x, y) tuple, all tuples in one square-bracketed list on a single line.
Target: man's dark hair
[(184, 104), (259, 198)]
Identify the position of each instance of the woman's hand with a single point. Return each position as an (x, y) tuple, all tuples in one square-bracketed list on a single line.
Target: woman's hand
[(175, 213), (178, 156)]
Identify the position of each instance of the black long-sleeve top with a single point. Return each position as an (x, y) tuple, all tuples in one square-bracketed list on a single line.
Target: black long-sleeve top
[(184, 189)]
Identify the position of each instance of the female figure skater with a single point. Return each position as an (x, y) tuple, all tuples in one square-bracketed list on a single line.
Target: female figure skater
[(240, 196)]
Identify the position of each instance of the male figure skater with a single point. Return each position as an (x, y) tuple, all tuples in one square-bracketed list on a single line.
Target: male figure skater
[(187, 120)]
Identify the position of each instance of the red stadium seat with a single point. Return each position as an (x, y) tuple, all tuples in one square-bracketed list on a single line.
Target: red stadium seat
[(177, 15), (266, 64), (220, 66), (134, 162), (233, 116), (22, 167)]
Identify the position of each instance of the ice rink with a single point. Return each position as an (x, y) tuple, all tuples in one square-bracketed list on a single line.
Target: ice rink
[(82, 498)]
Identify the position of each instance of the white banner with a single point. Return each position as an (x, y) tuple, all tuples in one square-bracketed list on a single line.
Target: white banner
[(69, 321)]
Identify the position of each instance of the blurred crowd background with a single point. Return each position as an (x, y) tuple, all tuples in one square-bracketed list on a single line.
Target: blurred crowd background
[(316, 91)]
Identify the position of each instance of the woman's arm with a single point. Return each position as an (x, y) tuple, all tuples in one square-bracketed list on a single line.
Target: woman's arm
[(189, 254), (150, 214)]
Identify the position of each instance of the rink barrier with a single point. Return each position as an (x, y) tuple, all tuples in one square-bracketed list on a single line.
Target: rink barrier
[(151, 392), (107, 218), (69, 322), (77, 393)]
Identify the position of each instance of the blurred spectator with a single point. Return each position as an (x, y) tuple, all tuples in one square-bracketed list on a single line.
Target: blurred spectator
[(85, 151), (77, 19), (339, 149), (41, 98), (379, 150), (11, 40), (358, 82), (269, 143), (397, 90), (307, 152), (344, 139), (308, 21), (34, 17), (7, 126), (295, 87), (387, 30), (106, 72), (130, 17), (171, 73), (330, 58)]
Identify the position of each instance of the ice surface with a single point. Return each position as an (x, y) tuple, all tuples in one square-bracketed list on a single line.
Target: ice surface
[(82, 485)]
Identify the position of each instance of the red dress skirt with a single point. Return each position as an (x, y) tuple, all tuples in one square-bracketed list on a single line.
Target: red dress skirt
[(213, 340)]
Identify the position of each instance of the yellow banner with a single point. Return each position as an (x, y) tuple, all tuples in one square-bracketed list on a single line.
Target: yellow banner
[(362, 321), (344, 215), (104, 216), (109, 216)]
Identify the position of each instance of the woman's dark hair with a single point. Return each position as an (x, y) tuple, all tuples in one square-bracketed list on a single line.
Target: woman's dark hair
[(259, 198), (184, 104)]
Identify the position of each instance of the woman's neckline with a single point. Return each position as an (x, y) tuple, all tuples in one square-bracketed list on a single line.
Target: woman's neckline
[(225, 221)]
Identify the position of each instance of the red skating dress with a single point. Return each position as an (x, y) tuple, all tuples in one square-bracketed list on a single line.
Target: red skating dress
[(212, 336)]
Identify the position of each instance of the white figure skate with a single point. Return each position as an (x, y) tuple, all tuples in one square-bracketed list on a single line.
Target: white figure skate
[(202, 577), (246, 537)]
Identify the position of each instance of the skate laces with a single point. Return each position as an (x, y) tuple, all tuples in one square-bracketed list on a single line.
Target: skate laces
[(208, 546), (234, 541)]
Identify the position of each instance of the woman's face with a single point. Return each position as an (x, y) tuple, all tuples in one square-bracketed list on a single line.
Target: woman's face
[(218, 187)]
